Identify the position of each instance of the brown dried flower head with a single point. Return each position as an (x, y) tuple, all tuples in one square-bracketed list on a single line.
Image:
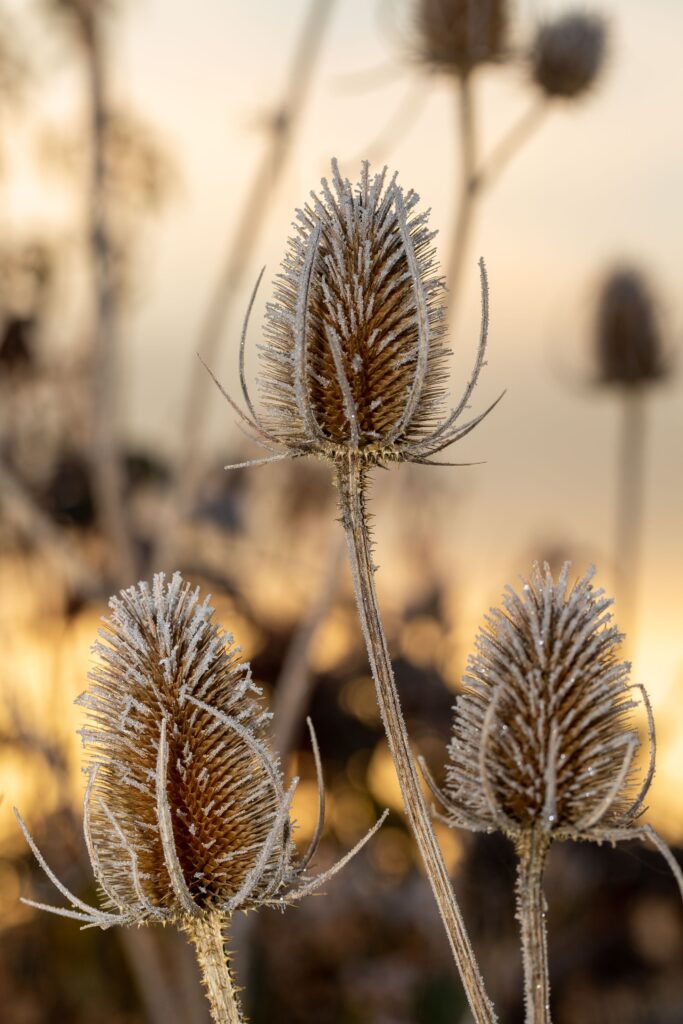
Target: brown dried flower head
[(354, 360), (543, 739), (628, 343), (185, 811), (568, 54), (457, 35)]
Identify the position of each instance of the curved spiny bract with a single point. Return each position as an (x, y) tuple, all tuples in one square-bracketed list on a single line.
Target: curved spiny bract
[(457, 35)]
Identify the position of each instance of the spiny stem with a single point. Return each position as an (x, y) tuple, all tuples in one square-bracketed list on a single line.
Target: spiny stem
[(531, 911), (206, 935), (350, 480)]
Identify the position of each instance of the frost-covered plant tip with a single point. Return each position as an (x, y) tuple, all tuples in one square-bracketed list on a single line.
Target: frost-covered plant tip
[(354, 360), (186, 816), (544, 741)]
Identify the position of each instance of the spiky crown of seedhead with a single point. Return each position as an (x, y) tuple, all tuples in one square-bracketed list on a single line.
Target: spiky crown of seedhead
[(456, 35), (185, 813), (568, 54), (543, 737), (628, 343), (354, 361)]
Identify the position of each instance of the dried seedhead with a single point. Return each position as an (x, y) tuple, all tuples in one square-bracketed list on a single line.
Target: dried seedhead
[(185, 812), (354, 360), (543, 737), (628, 343), (457, 35), (568, 54)]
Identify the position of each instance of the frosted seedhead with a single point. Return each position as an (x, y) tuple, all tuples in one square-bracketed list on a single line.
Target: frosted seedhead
[(568, 54), (354, 361), (456, 35), (176, 743), (543, 736), (628, 343), (185, 812)]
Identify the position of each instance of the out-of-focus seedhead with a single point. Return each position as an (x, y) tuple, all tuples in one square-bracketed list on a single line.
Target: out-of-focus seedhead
[(185, 816), (568, 54), (628, 344), (456, 35)]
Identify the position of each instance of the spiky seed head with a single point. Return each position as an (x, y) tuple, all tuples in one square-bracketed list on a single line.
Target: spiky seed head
[(543, 735), (355, 356), (165, 666), (628, 343), (568, 54), (457, 35)]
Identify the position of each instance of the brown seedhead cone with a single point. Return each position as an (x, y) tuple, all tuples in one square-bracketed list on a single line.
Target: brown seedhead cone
[(457, 35), (568, 54), (354, 360), (628, 343), (185, 813)]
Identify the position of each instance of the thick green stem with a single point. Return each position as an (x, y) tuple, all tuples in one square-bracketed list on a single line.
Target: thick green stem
[(206, 934), (531, 912), (350, 482)]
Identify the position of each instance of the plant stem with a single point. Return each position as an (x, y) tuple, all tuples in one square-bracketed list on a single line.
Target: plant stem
[(631, 465), (351, 480), (531, 911), (108, 477), (206, 934), (468, 168)]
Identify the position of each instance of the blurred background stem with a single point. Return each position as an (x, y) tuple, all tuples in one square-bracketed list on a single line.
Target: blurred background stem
[(107, 465), (629, 512), (238, 262)]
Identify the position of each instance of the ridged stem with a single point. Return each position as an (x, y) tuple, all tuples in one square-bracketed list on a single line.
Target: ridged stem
[(351, 479), (206, 934), (531, 912)]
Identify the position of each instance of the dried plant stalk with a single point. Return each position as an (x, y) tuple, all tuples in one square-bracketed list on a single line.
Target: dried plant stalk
[(531, 913), (206, 935), (350, 478)]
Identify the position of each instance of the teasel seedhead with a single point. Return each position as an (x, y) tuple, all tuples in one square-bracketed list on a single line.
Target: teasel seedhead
[(628, 342), (543, 735), (568, 54), (457, 35), (185, 812), (354, 360)]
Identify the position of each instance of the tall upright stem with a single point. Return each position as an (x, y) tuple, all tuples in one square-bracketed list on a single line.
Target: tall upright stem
[(207, 937), (350, 480), (631, 465), (106, 460), (468, 190), (531, 911)]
